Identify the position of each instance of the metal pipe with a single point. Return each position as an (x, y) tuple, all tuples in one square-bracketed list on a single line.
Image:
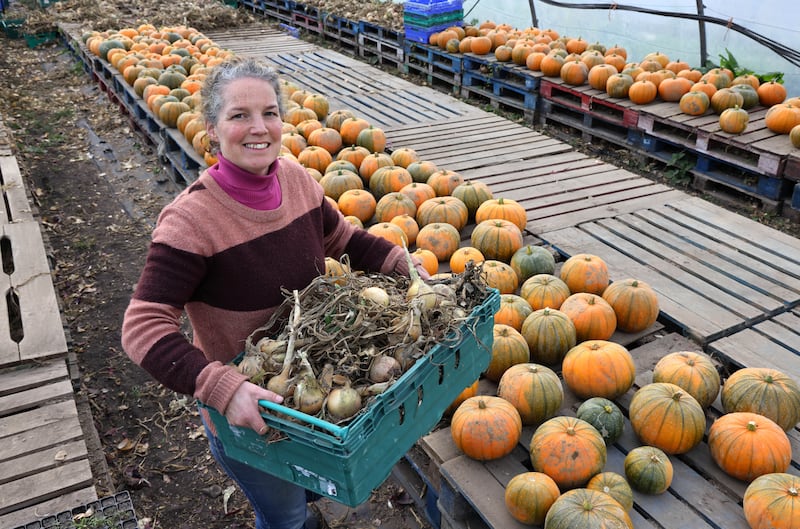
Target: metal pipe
[(702, 27)]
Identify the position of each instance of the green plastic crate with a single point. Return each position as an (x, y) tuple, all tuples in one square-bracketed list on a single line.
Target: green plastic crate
[(37, 39), (347, 463), (12, 27)]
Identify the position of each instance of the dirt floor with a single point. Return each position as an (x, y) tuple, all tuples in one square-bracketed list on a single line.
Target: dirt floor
[(98, 188)]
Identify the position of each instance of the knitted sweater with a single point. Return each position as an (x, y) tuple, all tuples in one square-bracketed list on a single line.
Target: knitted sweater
[(224, 264)]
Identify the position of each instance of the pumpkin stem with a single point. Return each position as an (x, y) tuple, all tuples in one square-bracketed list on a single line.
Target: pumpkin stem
[(752, 426), (482, 404), (792, 491)]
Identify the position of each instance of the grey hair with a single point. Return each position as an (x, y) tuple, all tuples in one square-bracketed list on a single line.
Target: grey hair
[(230, 70)]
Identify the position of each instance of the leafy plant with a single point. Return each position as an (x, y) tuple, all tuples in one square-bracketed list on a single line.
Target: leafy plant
[(729, 61), (678, 171)]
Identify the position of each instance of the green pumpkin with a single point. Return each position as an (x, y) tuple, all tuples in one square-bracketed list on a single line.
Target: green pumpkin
[(749, 95), (615, 486), (531, 260), (108, 45), (648, 470), (604, 415), (171, 79)]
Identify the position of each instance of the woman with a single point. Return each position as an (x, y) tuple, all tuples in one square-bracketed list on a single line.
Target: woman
[(222, 250)]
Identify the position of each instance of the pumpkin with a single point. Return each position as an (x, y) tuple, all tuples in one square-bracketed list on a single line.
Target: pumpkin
[(319, 104), (534, 390), (747, 445), (406, 223), (733, 120), (353, 154), (509, 349), (528, 497), (551, 64), (422, 170), (306, 127), (594, 318), (618, 85), (772, 502), (717, 77), (749, 95), (335, 183), (531, 260), (634, 302), (418, 192), (771, 93), (404, 156), (550, 334), (444, 181), (569, 450), (467, 392), (585, 273), (794, 136), (574, 72), (642, 92), (171, 111), (666, 416), (446, 209), (388, 179), (465, 254), (315, 158), (357, 203), (781, 118), (513, 310), (587, 509), (766, 391), (390, 232), (499, 275), (297, 115), (603, 415), (694, 372), (726, 98), (294, 141), (497, 239), (371, 163), (327, 138), (486, 427), (598, 368), (335, 119), (343, 165), (472, 194), (599, 75), (544, 290), (648, 470), (615, 486), (502, 208), (694, 103), (616, 61), (350, 128), (428, 260), (441, 238), (673, 89)]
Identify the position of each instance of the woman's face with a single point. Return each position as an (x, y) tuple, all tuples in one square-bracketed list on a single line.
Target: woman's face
[(249, 127)]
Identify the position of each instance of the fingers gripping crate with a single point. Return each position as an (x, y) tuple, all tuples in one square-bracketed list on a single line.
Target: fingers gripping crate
[(347, 463)]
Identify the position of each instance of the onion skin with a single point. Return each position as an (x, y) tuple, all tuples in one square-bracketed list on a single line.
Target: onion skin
[(384, 368), (343, 403), (308, 395), (376, 295)]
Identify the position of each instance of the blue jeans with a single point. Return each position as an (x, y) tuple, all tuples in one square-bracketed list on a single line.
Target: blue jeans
[(277, 503)]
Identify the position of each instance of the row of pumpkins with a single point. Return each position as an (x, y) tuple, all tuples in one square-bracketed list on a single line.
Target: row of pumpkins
[(568, 454), (578, 62)]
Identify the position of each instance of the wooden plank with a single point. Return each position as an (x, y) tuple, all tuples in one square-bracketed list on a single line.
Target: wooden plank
[(62, 503), (700, 316), (25, 400), (40, 438), (46, 485), (258, 41), (15, 204), (41, 416), (36, 462), (17, 379), (752, 348)]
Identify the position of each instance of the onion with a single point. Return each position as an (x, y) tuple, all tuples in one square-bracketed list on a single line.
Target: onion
[(252, 365), (376, 295), (343, 403), (384, 368), (308, 395)]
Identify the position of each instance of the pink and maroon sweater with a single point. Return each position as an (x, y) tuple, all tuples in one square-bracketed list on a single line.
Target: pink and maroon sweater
[(225, 263)]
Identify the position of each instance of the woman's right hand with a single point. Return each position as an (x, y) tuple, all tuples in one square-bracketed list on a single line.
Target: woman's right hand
[(243, 409)]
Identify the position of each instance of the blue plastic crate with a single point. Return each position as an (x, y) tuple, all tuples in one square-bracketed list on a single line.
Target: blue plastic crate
[(432, 9), (347, 463)]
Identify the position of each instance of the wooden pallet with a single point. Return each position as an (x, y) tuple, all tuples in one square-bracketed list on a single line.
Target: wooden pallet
[(470, 493), (716, 272), (44, 466), (259, 42)]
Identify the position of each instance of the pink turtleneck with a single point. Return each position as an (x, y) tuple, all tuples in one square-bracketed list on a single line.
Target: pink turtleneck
[(261, 192)]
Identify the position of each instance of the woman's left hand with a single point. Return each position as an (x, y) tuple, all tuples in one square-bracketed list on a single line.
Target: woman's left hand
[(243, 409)]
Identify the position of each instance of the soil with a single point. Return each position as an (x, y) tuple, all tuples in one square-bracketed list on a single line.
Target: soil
[(98, 188)]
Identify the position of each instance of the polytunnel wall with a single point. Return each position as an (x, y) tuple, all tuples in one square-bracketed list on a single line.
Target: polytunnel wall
[(641, 33)]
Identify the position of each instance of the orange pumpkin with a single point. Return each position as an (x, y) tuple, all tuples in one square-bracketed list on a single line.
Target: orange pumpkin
[(513, 310), (747, 445), (350, 128), (772, 502), (390, 232), (499, 275), (598, 368), (550, 335), (469, 391), (780, 118), (695, 372), (593, 317), (534, 390), (465, 254), (388, 179), (585, 272), (569, 450), (428, 260), (441, 238), (404, 156), (353, 154), (335, 183), (502, 208), (444, 181), (668, 417), (771, 93), (497, 239), (528, 497), (372, 162), (508, 349), (766, 391), (418, 192), (358, 203), (372, 138), (634, 302), (406, 223), (642, 92), (486, 427), (327, 138), (544, 290), (444, 209), (315, 158), (694, 103)]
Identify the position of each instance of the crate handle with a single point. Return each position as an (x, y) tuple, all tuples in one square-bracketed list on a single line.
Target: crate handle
[(338, 431)]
